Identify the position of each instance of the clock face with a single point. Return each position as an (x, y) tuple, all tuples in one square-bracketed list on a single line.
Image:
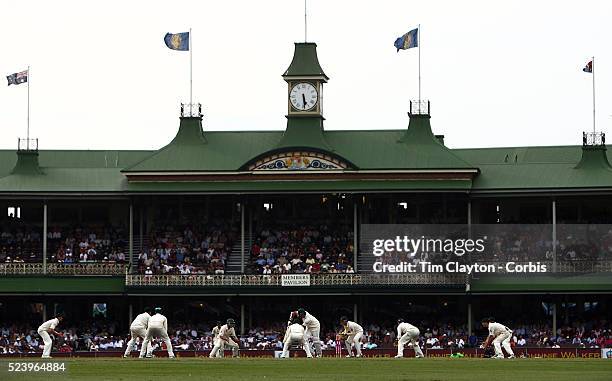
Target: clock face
[(303, 96)]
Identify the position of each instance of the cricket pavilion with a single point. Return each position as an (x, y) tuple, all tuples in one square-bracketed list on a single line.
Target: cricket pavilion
[(303, 174)]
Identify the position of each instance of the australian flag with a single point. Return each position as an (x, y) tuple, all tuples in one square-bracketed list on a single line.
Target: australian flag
[(409, 40), (588, 68), (177, 41), (17, 78)]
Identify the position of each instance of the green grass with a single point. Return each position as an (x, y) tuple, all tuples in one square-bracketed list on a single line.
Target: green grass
[(254, 369)]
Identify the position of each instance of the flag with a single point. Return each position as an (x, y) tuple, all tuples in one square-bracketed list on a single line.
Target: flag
[(589, 67), (177, 41), (17, 78), (409, 40)]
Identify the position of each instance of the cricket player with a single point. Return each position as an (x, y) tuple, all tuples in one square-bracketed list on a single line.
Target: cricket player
[(353, 333), (157, 328), (227, 337), (313, 329), (215, 334), (138, 329), (295, 335), (500, 335), (44, 330), (407, 333)]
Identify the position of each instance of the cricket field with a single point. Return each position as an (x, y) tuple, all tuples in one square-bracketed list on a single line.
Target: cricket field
[(430, 369)]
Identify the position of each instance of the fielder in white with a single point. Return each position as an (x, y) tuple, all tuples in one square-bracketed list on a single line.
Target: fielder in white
[(227, 337), (138, 329), (44, 330), (407, 333), (313, 330), (354, 333), (295, 335), (215, 333), (157, 328), (500, 335)]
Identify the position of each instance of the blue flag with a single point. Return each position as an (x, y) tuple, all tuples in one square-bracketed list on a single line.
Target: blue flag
[(177, 41), (407, 41), (17, 78)]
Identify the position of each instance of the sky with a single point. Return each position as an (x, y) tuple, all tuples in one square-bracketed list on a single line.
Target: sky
[(497, 73)]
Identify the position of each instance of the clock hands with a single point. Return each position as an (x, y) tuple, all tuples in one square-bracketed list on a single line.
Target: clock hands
[(304, 100)]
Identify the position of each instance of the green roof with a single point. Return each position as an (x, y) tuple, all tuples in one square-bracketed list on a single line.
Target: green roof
[(555, 167), (416, 148), (305, 62)]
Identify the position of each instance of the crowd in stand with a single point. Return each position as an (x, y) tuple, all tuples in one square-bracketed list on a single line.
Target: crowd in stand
[(95, 336), (19, 243), (87, 244), (187, 250), (302, 249), (522, 243)]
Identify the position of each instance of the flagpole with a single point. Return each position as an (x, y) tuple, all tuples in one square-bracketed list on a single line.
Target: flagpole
[(305, 23), (190, 72), (419, 42), (593, 73), (28, 128)]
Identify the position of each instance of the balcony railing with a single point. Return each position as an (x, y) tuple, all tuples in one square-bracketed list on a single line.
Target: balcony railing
[(593, 139), (325, 280), (419, 107), (359, 279), (63, 269)]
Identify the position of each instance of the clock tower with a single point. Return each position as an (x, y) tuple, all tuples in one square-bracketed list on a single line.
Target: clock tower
[(305, 80)]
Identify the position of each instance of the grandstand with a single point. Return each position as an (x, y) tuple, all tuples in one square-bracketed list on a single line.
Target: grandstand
[(211, 225)]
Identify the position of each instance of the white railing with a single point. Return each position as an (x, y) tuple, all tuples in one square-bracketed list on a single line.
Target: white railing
[(419, 107), (276, 280), (63, 269), (578, 266), (593, 139)]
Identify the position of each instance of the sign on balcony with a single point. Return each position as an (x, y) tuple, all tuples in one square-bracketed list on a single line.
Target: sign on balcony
[(295, 280)]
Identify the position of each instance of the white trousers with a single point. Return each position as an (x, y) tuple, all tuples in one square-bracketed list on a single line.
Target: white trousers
[(135, 333), (313, 333), (503, 340), (152, 333), (48, 343), (220, 344), (411, 336), (295, 339), (354, 340)]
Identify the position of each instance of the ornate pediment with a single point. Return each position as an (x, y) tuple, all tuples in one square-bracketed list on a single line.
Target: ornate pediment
[(298, 161)]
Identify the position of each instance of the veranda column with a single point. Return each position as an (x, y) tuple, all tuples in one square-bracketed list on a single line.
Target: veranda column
[(554, 250), (469, 317), (131, 238), (141, 228), (469, 224), (355, 230), (554, 319), (242, 237), (242, 319), (44, 248), (130, 313), (554, 234)]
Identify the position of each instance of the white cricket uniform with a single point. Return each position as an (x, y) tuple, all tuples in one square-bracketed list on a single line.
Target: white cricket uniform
[(225, 338), (295, 336), (157, 328), (138, 329), (313, 331), (502, 335), (43, 332), (355, 333), (407, 333), (215, 333)]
